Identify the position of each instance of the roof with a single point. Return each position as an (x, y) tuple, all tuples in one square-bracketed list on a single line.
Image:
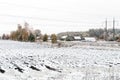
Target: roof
[(63, 37), (90, 39), (77, 37)]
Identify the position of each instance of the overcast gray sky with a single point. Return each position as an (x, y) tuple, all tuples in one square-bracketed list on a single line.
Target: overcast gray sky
[(54, 16)]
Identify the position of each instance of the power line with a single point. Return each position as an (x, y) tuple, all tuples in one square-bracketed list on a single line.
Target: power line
[(48, 24), (37, 18), (76, 23), (44, 19)]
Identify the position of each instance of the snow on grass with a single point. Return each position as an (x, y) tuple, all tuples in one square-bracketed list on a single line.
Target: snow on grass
[(79, 62)]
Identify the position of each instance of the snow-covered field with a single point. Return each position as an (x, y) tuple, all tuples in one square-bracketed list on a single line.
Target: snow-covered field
[(35, 61)]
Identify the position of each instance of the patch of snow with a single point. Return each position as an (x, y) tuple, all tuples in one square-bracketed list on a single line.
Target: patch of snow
[(80, 62)]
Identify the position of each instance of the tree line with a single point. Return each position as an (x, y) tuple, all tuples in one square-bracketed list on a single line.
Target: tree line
[(26, 34)]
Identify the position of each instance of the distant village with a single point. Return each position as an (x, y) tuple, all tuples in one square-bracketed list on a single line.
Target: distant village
[(26, 34)]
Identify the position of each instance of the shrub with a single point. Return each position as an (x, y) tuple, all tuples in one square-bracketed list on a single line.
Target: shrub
[(12, 35), (118, 39), (54, 38), (45, 38), (3, 36)]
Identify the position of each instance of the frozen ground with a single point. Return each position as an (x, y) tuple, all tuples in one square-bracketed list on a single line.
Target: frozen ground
[(33, 61)]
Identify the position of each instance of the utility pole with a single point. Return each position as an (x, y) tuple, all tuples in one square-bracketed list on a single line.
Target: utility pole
[(106, 32), (113, 29)]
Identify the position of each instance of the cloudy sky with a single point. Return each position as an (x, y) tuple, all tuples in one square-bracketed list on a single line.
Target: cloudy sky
[(54, 16)]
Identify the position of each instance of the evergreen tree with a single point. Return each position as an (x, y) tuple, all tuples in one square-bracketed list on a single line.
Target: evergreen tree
[(31, 38)]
